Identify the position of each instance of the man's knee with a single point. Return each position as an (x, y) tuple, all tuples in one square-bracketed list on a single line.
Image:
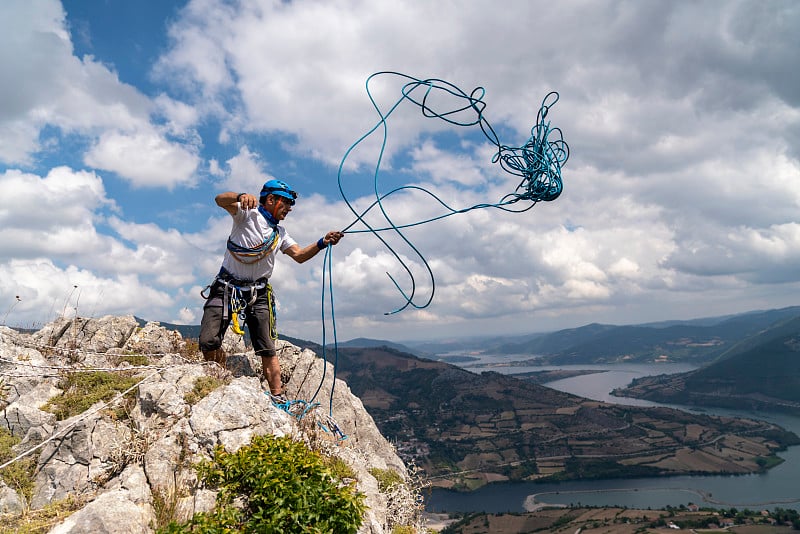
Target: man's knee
[(266, 353), (209, 340), (209, 344)]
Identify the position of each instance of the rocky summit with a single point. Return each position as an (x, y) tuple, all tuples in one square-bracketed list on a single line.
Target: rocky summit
[(120, 457)]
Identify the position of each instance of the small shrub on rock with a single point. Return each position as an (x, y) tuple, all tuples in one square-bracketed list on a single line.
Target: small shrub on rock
[(83, 389), (202, 386), (276, 485), (386, 478)]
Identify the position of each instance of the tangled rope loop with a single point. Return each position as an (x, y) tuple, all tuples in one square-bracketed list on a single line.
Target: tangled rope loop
[(299, 408), (538, 161)]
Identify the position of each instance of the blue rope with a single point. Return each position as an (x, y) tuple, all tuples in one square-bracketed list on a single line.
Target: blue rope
[(538, 163), (327, 273), (300, 408)]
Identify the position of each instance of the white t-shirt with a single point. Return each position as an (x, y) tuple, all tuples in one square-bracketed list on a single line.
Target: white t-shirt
[(249, 230)]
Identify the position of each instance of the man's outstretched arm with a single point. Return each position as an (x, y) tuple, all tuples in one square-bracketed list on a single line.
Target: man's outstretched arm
[(300, 255)]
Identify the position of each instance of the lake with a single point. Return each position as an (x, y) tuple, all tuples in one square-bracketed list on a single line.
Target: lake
[(777, 488)]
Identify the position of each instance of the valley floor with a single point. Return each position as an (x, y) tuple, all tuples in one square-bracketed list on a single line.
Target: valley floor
[(614, 521)]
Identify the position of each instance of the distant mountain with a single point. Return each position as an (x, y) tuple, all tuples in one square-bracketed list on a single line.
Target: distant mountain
[(363, 342), (699, 340), (696, 340), (761, 372), (467, 343)]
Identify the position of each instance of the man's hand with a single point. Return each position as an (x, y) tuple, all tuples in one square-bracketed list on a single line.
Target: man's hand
[(248, 201), (332, 237), (228, 200)]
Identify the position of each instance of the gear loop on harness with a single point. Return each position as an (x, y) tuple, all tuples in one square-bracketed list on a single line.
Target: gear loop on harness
[(206, 291)]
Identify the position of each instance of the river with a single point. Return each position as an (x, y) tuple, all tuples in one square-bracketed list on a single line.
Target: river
[(777, 488)]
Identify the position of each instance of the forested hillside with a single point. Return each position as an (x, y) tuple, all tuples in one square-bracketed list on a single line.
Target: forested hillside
[(761, 372)]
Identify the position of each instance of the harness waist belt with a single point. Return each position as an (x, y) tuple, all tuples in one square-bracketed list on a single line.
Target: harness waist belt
[(227, 279), (234, 288)]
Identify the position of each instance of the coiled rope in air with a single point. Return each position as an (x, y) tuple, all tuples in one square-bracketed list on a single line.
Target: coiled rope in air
[(537, 163)]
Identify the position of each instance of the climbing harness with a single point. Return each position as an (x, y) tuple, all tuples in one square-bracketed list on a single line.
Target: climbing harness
[(237, 296)]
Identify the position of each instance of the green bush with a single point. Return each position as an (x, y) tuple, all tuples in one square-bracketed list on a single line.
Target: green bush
[(82, 390), (134, 359), (274, 485), (43, 519), (339, 468), (386, 478)]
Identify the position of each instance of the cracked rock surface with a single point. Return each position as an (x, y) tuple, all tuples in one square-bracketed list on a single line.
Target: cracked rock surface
[(116, 464)]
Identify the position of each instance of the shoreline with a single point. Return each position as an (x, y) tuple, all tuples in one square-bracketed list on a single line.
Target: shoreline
[(532, 504)]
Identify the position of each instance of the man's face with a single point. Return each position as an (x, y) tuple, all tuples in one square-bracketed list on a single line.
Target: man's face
[(282, 207)]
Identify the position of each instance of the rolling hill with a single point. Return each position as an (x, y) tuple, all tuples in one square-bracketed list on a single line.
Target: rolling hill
[(761, 372)]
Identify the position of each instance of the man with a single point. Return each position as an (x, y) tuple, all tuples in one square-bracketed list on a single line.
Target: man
[(241, 289)]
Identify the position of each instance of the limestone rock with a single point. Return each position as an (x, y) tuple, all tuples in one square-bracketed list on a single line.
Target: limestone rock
[(27, 422), (118, 465), (125, 507), (232, 415), (10, 501), (154, 339), (87, 452), (233, 342), (91, 335)]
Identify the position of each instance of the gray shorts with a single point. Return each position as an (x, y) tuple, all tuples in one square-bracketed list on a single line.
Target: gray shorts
[(259, 318)]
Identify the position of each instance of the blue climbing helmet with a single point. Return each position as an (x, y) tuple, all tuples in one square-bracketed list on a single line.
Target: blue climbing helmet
[(280, 188)]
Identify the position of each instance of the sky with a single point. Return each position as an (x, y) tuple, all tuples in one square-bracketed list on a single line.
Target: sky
[(120, 121)]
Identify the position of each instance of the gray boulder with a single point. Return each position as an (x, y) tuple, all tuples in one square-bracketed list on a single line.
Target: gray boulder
[(10, 501)]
